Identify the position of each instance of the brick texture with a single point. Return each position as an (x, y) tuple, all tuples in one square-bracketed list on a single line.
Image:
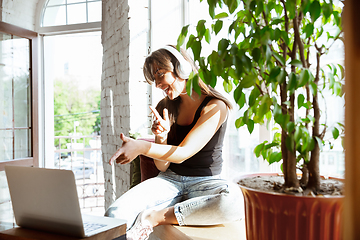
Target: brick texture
[(125, 96), (19, 13)]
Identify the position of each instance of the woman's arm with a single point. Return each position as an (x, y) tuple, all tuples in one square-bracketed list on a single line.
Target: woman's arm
[(212, 116), (161, 128), (161, 165)]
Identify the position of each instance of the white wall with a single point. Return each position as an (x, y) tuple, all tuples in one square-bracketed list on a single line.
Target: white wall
[(19, 12)]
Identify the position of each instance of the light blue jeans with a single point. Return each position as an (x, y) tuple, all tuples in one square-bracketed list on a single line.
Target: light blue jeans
[(197, 200)]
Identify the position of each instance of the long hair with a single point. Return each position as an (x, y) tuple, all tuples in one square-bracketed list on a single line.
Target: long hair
[(165, 60)]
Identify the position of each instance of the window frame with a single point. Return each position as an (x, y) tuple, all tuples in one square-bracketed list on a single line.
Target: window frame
[(33, 51)]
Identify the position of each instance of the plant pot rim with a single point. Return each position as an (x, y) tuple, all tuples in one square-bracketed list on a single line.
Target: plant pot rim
[(236, 180)]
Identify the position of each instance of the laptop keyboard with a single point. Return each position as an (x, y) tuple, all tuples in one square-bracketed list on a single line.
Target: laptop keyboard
[(91, 226)]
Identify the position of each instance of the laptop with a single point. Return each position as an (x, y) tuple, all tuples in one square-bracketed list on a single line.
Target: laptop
[(47, 200)]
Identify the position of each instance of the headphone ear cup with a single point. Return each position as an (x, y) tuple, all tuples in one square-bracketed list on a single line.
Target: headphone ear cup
[(183, 67)]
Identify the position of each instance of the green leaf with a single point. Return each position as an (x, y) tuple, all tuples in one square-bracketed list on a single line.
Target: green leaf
[(300, 100), (221, 15), (274, 72), (320, 143), (276, 21), (311, 146), (190, 41), (281, 77), (331, 80), (182, 36), (218, 26), (196, 86), (297, 134), (275, 157), (277, 34), (304, 77), (312, 119), (335, 133), (279, 58), (290, 126), (285, 37), (248, 81), (264, 108), (338, 89), (327, 10), (270, 145), (342, 70), (212, 79), (255, 93), (277, 110), (196, 49), (258, 149), (309, 29), (268, 53), (239, 97), (306, 141), (259, 8), (246, 61), (313, 88), (296, 63), (207, 36), (291, 8), (189, 86), (315, 10), (200, 28), (223, 45), (292, 82), (337, 18), (305, 4), (239, 122), (250, 126), (256, 54), (227, 86), (212, 5)]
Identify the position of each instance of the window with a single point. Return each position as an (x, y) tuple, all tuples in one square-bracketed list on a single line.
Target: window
[(16, 83), (66, 12)]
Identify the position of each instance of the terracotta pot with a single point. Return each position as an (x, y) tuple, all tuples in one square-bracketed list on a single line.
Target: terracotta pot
[(280, 216)]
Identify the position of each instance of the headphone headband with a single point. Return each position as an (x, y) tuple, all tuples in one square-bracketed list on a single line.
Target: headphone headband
[(184, 67)]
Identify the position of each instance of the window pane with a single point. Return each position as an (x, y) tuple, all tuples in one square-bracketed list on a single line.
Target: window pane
[(55, 2), (5, 96), (22, 146), (75, 1), (22, 101), (6, 145), (21, 83), (94, 11), (54, 16), (76, 13)]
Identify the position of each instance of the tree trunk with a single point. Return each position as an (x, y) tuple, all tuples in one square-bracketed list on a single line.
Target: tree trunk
[(314, 170), (292, 180), (314, 173), (305, 175)]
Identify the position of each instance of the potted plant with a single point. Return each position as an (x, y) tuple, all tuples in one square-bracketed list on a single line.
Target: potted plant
[(271, 60)]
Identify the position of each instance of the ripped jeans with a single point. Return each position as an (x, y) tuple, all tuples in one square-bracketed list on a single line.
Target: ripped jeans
[(205, 200)]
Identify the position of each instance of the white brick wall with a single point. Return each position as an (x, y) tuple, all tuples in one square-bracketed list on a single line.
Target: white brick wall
[(125, 97), (19, 12)]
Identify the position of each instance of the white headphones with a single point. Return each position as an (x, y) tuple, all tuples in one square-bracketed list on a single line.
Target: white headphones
[(184, 67)]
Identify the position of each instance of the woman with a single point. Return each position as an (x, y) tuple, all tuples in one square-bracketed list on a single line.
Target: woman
[(189, 132)]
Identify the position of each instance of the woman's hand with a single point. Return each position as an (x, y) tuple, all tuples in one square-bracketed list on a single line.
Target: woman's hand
[(161, 126), (129, 150)]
